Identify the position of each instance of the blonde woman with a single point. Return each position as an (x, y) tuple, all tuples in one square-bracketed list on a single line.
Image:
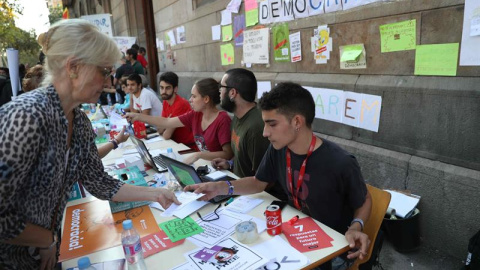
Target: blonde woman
[(47, 143)]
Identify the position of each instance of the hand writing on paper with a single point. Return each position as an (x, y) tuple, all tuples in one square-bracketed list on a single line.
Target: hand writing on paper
[(211, 189), (48, 258), (358, 242), (220, 164)]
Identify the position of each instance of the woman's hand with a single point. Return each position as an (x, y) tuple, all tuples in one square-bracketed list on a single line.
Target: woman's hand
[(48, 258), (122, 136), (165, 197)]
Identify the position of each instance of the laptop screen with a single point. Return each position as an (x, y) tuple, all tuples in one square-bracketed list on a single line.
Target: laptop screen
[(185, 174), (141, 148)]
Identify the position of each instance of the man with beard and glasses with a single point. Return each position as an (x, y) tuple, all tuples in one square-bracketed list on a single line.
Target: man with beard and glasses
[(174, 105), (238, 89)]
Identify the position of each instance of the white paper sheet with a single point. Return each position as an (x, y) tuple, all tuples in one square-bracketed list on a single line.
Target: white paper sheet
[(226, 17), (281, 254), (243, 204), (403, 204), (216, 32)]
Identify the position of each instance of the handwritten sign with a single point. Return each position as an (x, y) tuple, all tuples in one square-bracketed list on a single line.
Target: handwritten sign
[(399, 36), (102, 21), (436, 59), (178, 229), (255, 46)]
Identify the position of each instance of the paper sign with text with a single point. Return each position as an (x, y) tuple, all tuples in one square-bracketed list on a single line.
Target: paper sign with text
[(156, 242), (305, 235)]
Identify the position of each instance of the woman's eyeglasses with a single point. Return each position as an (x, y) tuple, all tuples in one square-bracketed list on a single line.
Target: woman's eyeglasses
[(106, 71)]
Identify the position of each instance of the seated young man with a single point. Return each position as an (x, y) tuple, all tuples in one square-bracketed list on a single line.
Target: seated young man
[(320, 178), (143, 100), (174, 105)]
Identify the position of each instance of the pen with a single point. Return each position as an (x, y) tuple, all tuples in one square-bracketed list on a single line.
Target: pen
[(229, 201), (293, 220)]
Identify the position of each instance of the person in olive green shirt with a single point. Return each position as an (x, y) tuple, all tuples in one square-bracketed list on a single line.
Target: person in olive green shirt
[(131, 57), (238, 89)]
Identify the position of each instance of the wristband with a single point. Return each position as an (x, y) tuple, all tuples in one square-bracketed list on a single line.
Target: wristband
[(55, 240), (230, 188), (115, 143), (359, 220)]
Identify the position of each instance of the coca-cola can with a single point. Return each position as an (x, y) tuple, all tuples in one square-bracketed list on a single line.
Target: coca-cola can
[(273, 215)]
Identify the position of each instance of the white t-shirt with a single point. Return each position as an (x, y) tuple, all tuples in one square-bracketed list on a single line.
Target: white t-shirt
[(148, 100)]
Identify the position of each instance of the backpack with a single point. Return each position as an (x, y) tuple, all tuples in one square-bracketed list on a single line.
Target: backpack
[(473, 257)]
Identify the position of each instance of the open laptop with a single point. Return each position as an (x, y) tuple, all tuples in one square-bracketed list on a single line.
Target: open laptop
[(157, 163), (187, 175)]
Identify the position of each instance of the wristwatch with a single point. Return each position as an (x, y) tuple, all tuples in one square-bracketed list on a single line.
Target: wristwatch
[(55, 240), (359, 220)]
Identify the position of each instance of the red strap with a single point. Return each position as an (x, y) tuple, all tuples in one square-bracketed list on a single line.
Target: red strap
[(301, 174)]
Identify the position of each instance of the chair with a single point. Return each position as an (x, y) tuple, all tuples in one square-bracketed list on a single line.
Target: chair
[(380, 201)]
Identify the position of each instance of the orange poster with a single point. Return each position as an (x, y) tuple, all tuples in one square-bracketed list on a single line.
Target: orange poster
[(90, 227)]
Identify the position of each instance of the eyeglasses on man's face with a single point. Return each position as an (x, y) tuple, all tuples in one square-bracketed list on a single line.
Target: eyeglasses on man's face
[(220, 86)]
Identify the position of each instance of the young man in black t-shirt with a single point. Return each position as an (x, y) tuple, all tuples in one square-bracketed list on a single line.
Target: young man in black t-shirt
[(332, 189)]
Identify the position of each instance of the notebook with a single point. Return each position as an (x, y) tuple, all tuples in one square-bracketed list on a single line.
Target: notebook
[(187, 175)]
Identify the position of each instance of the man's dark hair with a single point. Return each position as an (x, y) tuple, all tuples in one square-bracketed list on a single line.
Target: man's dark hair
[(244, 81), (142, 50), (209, 87), (289, 99), (169, 77), (135, 46), (133, 53), (136, 78)]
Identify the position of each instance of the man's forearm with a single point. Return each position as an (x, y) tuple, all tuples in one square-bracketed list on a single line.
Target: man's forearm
[(244, 186)]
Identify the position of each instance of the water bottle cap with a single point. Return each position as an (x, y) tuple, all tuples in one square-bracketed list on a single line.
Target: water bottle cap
[(84, 262), (127, 224), (169, 150)]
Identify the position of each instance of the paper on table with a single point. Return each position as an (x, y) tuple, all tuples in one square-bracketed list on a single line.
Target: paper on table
[(155, 139), (243, 204), (282, 254), (188, 206), (178, 229), (403, 204)]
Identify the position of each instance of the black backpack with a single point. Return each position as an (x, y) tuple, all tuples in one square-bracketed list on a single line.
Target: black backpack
[(473, 258)]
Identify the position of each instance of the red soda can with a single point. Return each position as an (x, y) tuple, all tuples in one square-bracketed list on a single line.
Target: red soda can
[(273, 215)]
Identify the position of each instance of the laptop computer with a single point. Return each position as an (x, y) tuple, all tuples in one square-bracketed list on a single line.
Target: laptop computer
[(157, 163), (187, 175)]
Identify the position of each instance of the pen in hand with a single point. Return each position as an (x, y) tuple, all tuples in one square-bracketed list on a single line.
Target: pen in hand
[(229, 201)]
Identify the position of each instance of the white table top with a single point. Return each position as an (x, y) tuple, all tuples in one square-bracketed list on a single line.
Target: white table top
[(170, 258)]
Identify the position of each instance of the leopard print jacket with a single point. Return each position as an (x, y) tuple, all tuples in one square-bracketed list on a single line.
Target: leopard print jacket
[(34, 177)]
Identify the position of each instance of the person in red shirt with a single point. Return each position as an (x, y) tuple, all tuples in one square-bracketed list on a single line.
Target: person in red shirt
[(141, 55), (174, 105), (209, 125)]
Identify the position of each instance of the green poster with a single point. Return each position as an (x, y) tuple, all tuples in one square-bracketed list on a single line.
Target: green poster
[(227, 54), (281, 43), (227, 32), (399, 36), (436, 59), (351, 53), (183, 175), (251, 17), (178, 229)]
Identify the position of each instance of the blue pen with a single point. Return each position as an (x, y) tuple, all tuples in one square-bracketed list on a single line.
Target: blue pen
[(229, 201)]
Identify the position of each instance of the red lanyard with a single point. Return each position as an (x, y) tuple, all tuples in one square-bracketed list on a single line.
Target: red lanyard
[(301, 174)]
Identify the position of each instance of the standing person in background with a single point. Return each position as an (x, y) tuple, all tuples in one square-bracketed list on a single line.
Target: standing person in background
[(33, 78), (174, 105), (5, 86), (140, 55), (210, 127), (131, 57), (143, 100), (56, 147)]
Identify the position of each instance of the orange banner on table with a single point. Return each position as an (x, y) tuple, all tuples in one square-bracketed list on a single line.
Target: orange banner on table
[(90, 227)]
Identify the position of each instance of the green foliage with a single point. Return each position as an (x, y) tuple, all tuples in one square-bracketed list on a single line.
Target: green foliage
[(55, 14), (13, 37)]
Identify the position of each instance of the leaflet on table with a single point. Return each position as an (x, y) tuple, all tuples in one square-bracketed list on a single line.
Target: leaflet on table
[(132, 176), (108, 265), (227, 255), (222, 228), (281, 255), (306, 235), (243, 204)]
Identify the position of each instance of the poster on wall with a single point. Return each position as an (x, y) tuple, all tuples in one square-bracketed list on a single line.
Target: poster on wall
[(238, 28), (353, 56), (348, 4), (469, 53), (295, 47), (399, 36), (102, 21), (125, 43), (255, 46), (281, 43)]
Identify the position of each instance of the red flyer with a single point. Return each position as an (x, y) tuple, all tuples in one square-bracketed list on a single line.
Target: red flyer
[(156, 242), (305, 235)]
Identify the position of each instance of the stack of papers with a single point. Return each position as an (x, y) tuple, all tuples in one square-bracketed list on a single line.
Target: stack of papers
[(403, 204)]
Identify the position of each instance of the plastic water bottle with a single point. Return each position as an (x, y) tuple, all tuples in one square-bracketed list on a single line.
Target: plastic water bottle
[(84, 264), (132, 246)]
